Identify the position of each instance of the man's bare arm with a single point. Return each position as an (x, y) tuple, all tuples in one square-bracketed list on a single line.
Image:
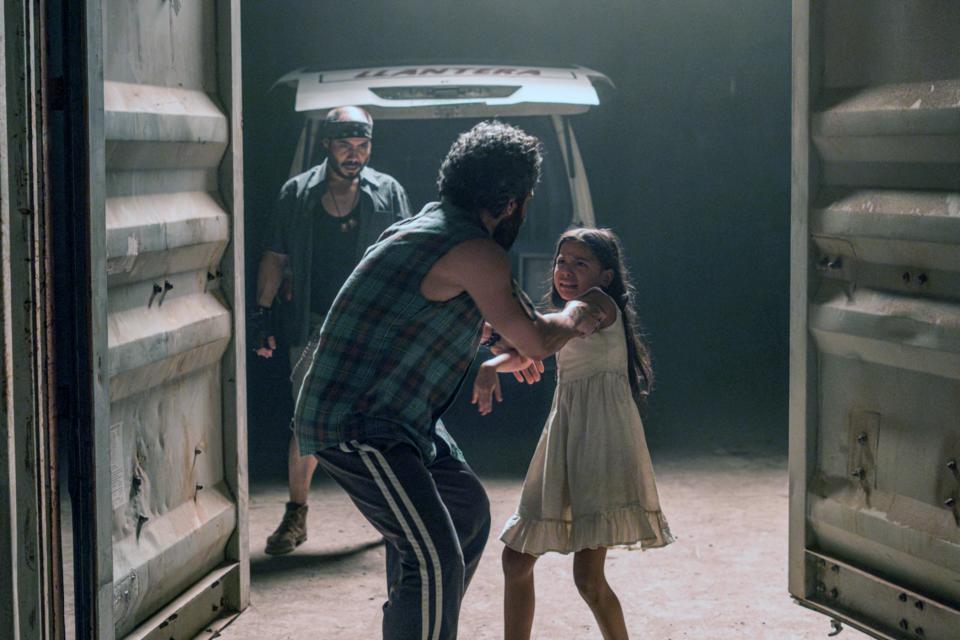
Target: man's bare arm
[(269, 277), (601, 299), (482, 269)]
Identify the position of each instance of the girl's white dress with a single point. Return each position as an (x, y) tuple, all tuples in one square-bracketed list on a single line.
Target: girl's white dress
[(590, 483)]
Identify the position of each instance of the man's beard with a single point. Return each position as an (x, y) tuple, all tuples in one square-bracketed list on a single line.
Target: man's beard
[(337, 168), (506, 232)]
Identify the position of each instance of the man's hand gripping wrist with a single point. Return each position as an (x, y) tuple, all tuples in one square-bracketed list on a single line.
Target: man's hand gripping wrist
[(585, 316)]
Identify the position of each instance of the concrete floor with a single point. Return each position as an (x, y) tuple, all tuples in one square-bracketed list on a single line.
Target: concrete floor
[(725, 578)]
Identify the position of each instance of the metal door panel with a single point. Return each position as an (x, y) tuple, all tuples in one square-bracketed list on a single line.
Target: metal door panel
[(875, 345), (171, 212), (29, 559)]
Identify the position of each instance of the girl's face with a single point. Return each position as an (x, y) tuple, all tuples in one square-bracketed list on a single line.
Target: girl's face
[(576, 269)]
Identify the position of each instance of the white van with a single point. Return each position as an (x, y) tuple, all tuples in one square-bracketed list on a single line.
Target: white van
[(419, 110)]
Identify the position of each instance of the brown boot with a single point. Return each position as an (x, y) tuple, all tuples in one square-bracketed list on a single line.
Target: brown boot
[(292, 531)]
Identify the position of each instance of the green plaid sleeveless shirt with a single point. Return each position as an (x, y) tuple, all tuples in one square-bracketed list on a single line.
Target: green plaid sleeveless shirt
[(389, 362)]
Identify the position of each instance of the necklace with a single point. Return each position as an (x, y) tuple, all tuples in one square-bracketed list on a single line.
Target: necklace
[(348, 225), (347, 220)]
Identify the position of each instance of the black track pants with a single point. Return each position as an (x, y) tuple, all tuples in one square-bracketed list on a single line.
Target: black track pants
[(435, 519)]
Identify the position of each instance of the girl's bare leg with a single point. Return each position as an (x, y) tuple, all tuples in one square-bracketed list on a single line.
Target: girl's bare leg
[(518, 594), (592, 584)]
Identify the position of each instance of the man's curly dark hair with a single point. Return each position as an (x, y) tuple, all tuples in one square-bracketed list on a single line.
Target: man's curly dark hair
[(489, 165)]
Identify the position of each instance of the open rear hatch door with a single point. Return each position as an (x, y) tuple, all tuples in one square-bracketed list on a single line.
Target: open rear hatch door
[(450, 91)]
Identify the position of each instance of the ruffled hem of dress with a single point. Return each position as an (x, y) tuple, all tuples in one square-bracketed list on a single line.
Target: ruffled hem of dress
[(626, 527)]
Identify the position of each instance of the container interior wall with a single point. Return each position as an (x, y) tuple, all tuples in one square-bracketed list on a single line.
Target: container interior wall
[(884, 306), (169, 325)]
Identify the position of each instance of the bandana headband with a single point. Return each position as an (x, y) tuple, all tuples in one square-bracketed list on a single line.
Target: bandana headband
[(338, 130)]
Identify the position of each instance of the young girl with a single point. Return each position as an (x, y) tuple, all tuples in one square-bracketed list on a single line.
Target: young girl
[(590, 485)]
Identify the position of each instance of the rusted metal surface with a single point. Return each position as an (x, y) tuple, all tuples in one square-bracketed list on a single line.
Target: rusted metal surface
[(49, 462), (29, 569), (879, 607), (875, 348), (9, 611)]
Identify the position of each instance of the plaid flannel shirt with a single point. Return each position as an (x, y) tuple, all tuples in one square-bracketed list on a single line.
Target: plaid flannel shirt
[(389, 362)]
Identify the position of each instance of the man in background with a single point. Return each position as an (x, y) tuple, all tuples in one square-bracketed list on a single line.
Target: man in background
[(325, 219)]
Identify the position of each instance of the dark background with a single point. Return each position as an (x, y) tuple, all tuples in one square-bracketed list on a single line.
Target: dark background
[(688, 163)]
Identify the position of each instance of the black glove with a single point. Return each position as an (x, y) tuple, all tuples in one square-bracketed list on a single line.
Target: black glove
[(260, 327)]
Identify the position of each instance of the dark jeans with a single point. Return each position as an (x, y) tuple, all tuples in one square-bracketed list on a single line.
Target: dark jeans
[(435, 519)]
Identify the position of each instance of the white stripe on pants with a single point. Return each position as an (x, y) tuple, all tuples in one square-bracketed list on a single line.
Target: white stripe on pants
[(364, 451)]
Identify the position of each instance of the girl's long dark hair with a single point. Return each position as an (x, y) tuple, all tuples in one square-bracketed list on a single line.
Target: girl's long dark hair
[(605, 245)]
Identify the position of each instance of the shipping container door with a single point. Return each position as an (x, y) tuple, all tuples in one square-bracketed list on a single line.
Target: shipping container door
[(875, 335), (174, 433), (29, 558)]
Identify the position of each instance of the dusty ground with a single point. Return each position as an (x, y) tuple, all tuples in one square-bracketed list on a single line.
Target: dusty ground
[(725, 578)]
